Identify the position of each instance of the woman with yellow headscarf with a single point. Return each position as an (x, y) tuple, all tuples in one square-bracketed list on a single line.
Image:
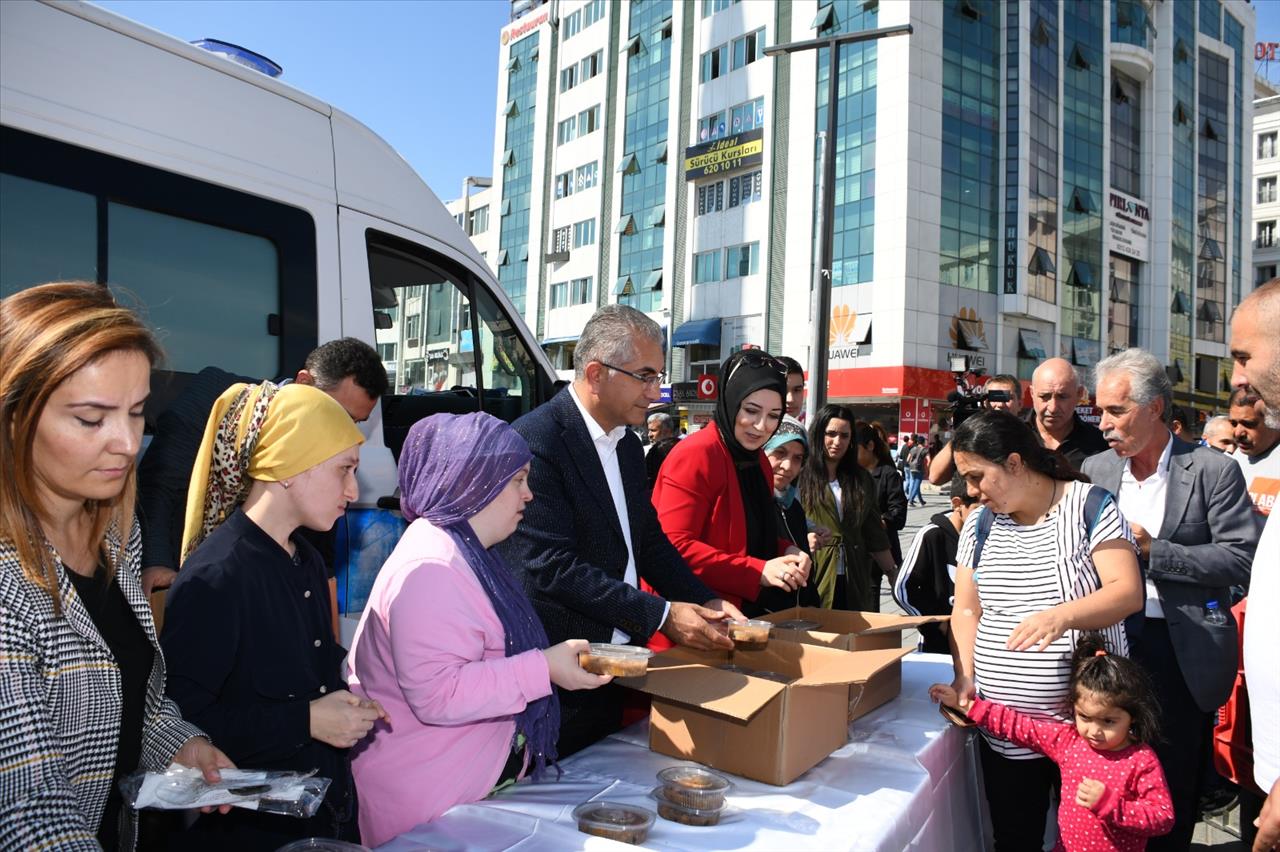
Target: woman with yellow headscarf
[(252, 658)]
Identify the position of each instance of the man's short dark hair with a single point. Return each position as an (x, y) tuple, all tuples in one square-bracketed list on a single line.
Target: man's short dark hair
[(330, 363), (960, 488), (1243, 396), (792, 365), (1180, 415), (1010, 380)]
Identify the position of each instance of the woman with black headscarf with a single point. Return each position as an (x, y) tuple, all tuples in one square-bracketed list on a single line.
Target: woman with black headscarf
[(714, 498)]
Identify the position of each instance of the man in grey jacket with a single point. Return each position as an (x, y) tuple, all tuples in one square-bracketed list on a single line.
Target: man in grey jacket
[(1196, 529)]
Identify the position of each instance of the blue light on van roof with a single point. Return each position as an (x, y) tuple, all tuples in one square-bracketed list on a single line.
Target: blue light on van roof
[(241, 55)]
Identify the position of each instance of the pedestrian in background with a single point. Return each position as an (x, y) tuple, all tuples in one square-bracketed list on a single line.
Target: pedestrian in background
[(873, 456), (840, 496)]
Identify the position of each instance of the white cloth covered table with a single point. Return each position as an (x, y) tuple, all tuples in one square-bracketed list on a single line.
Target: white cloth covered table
[(907, 779)]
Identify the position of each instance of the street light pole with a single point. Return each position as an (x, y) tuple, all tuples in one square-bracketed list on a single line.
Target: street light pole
[(820, 297)]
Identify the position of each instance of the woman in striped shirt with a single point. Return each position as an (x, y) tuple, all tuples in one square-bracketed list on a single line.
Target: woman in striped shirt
[(1040, 562)]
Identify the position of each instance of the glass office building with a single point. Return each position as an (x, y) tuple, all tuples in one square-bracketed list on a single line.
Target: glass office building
[(1013, 181)]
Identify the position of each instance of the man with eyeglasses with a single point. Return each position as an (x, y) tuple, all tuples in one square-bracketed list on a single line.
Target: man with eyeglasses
[(591, 535)]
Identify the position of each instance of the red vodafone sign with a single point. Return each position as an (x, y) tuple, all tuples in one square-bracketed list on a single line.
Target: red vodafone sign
[(707, 386)]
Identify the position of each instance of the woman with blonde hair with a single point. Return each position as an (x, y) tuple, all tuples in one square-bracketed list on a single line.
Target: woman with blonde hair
[(82, 679), (252, 655)]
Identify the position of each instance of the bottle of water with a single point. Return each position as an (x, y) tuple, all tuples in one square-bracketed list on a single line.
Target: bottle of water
[(1213, 615)]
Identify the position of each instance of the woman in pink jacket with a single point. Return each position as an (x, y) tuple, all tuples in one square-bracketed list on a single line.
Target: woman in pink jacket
[(449, 643)]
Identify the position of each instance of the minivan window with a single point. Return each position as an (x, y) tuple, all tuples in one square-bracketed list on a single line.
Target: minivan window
[(226, 278), (50, 234), (435, 360), (202, 285)]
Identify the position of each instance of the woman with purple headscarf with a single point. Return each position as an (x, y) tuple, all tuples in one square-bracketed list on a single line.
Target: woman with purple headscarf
[(449, 643)]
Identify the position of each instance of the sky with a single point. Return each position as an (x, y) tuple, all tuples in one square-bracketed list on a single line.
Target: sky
[(423, 74)]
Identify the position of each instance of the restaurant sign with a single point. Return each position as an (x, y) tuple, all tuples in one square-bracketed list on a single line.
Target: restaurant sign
[(724, 155)]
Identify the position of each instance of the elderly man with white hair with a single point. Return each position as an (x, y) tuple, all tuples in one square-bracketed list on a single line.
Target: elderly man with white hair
[(1219, 434), (1196, 531)]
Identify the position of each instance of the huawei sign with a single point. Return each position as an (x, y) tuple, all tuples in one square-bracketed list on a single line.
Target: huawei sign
[(843, 319), (965, 325)]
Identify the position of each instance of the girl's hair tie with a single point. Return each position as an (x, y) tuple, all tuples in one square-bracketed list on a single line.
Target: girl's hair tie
[(1100, 653)]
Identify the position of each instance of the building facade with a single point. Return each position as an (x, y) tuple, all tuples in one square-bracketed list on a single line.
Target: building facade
[(1266, 176), (1012, 181)]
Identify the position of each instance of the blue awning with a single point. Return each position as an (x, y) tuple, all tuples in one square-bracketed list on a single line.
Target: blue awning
[(704, 332)]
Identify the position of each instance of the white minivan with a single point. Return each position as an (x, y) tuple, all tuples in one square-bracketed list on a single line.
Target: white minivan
[(250, 222)]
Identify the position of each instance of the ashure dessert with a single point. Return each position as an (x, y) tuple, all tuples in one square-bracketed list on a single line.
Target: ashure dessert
[(693, 787), (616, 660), (684, 814), (623, 823), (749, 635)]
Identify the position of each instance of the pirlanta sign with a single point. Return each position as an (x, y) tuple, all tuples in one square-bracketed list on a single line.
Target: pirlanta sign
[(523, 28), (1129, 224)]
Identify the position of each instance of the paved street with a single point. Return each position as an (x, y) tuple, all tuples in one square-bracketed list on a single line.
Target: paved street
[(1221, 834)]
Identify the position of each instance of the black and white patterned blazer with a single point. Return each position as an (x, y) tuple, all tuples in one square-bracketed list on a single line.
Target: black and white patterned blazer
[(60, 710)]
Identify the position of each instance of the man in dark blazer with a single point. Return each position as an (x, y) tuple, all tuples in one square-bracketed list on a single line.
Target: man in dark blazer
[(1196, 529), (591, 534)]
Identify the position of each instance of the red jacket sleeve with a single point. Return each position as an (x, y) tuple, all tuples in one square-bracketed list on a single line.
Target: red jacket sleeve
[(1047, 736), (1147, 811), (690, 494)]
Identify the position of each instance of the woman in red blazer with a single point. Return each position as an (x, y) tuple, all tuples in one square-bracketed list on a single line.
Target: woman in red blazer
[(713, 494)]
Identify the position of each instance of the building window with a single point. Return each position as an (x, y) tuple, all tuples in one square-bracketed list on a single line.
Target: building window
[(568, 78), (1263, 274), (1266, 234), (564, 184), (589, 66), (1266, 145), (710, 7), (589, 120), (592, 12), (584, 233), (560, 239), (571, 25), (739, 118), (1266, 190), (744, 189), (710, 198), (1126, 134), (1122, 305), (715, 63), (584, 177), (706, 267), (567, 130), (741, 261), (479, 220), (748, 49), (580, 291)]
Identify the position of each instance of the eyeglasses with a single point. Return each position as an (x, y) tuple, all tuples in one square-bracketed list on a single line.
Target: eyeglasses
[(651, 380)]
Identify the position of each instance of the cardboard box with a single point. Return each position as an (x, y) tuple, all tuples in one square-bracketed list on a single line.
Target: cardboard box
[(762, 729), (855, 631)]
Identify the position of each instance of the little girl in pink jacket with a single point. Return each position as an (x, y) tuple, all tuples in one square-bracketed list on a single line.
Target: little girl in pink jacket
[(1114, 795)]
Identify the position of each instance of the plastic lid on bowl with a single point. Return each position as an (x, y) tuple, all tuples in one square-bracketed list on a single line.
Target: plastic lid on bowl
[(614, 817), (664, 801), (695, 778), (322, 844), (630, 652)]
